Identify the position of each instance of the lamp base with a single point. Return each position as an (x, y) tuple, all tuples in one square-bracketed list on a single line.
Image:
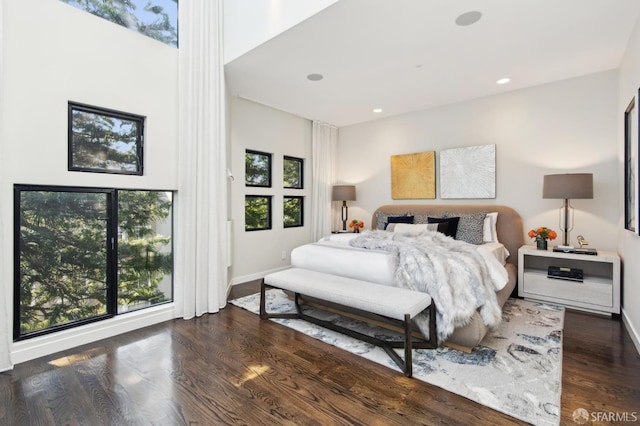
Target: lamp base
[(564, 247)]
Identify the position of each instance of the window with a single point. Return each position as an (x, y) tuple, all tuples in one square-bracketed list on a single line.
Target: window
[(257, 169), (257, 212), (292, 172), (85, 254), (157, 19), (145, 263), (293, 211), (105, 141)]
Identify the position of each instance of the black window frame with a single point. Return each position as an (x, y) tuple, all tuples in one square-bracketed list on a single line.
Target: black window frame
[(269, 219), (269, 160), (138, 120), (300, 199), (111, 242), (300, 162)]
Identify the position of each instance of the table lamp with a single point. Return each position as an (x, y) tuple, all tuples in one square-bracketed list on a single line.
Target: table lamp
[(567, 186), (344, 193)]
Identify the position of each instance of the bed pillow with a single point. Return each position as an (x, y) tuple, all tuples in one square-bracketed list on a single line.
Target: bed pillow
[(470, 226), (452, 224), (382, 219), (398, 219), (489, 231), (412, 228)]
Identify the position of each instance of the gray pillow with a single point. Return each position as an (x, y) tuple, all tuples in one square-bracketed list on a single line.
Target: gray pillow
[(470, 226)]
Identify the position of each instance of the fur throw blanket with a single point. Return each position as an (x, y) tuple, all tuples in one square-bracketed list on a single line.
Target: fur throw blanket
[(452, 272)]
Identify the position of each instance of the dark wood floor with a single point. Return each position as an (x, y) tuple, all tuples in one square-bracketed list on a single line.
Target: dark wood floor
[(233, 368)]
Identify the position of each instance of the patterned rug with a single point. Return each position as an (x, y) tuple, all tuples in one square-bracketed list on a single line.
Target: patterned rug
[(516, 369)]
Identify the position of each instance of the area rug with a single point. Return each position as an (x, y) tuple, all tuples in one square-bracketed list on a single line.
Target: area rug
[(516, 369)]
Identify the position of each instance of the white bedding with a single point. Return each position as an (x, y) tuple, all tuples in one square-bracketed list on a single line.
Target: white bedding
[(334, 255)]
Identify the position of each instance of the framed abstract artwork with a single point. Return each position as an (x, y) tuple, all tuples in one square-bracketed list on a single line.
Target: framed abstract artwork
[(413, 176), (468, 172), (631, 167)]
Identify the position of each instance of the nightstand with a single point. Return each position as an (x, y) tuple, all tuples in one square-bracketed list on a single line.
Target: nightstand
[(599, 290)]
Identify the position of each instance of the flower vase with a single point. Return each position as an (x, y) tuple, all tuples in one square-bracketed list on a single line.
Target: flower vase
[(356, 230), (542, 243)]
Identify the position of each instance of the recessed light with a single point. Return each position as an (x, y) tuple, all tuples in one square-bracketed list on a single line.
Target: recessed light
[(503, 80), (468, 18), (377, 110), (315, 77)]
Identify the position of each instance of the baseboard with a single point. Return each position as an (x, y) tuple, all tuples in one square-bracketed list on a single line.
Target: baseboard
[(66, 339), (635, 337), (256, 276)]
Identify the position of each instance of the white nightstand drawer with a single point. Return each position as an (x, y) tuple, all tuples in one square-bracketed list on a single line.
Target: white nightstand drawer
[(590, 292)]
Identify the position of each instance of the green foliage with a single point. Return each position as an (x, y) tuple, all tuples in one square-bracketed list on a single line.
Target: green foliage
[(292, 210), (292, 173), (63, 254), (102, 142), (144, 256), (257, 212), (155, 23), (257, 169), (62, 259)]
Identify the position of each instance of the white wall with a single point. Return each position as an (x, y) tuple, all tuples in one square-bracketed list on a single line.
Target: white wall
[(567, 126), (54, 53), (249, 23), (261, 128), (629, 244)]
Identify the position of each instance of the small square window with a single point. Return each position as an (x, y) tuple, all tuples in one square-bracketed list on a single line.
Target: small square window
[(104, 140), (257, 212), (292, 172), (257, 169), (293, 211)]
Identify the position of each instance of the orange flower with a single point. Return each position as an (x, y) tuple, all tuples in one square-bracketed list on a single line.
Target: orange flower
[(543, 233), (355, 223)]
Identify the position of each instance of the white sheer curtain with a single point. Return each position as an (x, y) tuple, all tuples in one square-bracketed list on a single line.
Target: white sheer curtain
[(201, 269), (5, 235), (323, 153)]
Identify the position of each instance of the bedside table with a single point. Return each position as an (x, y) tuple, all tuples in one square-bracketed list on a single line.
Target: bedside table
[(599, 291)]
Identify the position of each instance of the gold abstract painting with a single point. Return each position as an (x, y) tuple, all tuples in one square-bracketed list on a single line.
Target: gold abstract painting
[(413, 176)]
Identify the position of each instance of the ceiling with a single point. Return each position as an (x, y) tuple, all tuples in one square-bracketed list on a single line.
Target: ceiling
[(409, 55)]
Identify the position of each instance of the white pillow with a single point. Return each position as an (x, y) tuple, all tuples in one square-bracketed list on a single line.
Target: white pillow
[(489, 231), (413, 228)]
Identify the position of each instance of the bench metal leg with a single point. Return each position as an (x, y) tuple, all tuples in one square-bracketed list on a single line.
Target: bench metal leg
[(406, 364), (263, 304)]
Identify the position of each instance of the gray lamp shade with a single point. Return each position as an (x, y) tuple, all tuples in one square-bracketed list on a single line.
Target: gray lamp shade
[(343, 193), (568, 186)]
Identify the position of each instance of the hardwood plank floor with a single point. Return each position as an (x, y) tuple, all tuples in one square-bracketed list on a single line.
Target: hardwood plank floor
[(233, 368)]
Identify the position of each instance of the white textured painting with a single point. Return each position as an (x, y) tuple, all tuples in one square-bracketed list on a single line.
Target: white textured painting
[(468, 172)]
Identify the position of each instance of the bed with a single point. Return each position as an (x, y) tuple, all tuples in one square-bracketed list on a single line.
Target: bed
[(495, 231)]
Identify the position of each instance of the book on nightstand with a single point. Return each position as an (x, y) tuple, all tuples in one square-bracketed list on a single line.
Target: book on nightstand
[(560, 273), (580, 250)]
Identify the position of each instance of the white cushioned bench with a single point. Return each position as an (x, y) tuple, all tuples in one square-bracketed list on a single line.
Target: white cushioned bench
[(389, 303)]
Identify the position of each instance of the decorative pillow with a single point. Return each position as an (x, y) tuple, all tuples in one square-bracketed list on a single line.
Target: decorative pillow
[(489, 231), (398, 219), (382, 219), (470, 226), (421, 218), (452, 224), (412, 228)]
